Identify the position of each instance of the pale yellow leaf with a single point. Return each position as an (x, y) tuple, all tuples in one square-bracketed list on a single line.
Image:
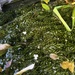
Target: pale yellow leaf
[(65, 64), (68, 65), (71, 66)]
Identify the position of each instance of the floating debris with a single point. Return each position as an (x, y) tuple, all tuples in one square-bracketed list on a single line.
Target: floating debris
[(30, 67), (68, 65), (54, 56), (3, 48), (7, 65)]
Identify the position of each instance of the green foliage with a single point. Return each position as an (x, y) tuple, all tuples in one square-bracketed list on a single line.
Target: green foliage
[(45, 35), (45, 5), (60, 17), (55, 10), (73, 18)]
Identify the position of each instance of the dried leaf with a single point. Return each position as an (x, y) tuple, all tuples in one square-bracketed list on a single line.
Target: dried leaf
[(8, 64), (71, 66), (54, 56), (3, 48), (68, 65), (65, 64), (30, 67), (66, 1)]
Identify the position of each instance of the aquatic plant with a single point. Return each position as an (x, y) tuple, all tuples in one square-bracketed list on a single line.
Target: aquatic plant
[(33, 33), (55, 10), (45, 6)]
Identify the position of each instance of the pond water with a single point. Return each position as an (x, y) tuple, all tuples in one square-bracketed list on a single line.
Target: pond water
[(31, 31)]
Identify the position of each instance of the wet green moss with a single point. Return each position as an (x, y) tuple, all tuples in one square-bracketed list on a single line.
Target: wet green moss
[(44, 34)]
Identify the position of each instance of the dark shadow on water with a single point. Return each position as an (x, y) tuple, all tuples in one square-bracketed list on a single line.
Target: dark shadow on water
[(18, 4), (9, 13)]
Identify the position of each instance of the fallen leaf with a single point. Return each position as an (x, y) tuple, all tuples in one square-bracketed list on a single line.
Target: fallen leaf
[(54, 56), (68, 65), (3, 48), (71, 66), (8, 64), (69, 1), (65, 64), (30, 67)]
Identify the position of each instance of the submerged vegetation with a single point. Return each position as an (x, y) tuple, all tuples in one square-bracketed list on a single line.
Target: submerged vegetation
[(32, 31), (55, 10)]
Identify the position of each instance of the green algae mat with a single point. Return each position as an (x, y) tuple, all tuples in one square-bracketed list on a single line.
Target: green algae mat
[(33, 32)]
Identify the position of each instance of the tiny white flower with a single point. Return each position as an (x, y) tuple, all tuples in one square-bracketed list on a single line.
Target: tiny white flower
[(24, 32), (38, 47), (35, 56)]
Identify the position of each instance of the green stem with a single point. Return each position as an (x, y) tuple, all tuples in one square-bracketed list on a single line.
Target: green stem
[(60, 17), (73, 18)]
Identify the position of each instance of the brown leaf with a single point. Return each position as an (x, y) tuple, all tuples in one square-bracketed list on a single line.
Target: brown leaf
[(69, 1), (66, 1)]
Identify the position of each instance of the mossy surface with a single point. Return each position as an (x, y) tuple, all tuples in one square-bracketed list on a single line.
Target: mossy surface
[(32, 31)]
